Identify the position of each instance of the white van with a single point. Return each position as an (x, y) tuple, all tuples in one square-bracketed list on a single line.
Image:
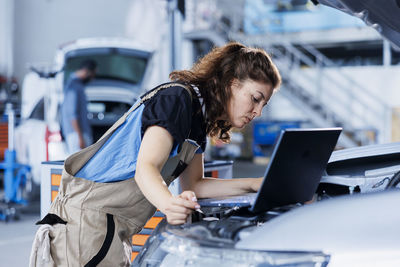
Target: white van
[(122, 76)]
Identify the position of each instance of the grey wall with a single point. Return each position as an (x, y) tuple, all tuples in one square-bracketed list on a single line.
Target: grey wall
[(42, 25), (6, 37)]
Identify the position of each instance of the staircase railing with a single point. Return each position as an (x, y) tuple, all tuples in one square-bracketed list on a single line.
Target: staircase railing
[(311, 106)]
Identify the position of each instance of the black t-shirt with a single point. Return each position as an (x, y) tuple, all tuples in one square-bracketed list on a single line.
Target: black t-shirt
[(173, 109)]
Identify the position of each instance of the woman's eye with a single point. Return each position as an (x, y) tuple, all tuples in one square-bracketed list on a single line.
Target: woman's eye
[(255, 100)]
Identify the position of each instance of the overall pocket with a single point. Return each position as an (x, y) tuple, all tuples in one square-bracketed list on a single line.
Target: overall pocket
[(49, 247), (58, 244)]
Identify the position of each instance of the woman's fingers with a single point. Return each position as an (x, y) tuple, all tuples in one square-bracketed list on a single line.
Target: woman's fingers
[(188, 195), (187, 205), (177, 218), (191, 198), (180, 207), (256, 184)]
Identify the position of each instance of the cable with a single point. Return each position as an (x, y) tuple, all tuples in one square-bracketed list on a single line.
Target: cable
[(394, 181)]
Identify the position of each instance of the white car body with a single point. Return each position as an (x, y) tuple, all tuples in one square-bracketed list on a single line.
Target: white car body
[(357, 230)]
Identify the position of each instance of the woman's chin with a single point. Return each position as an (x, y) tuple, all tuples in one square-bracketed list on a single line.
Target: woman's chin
[(240, 125)]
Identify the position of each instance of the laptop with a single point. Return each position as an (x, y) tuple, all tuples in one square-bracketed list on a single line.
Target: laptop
[(298, 161)]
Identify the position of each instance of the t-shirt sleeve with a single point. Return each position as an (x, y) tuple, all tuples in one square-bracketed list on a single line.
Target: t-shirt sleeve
[(171, 109)]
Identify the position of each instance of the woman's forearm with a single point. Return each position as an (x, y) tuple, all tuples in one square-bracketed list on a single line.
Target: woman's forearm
[(217, 187), (152, 185)]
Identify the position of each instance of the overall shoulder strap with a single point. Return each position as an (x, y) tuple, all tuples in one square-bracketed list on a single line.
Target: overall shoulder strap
[(159, 88)]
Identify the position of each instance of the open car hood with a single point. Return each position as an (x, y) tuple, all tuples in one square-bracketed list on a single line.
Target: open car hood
[(383, 16), (114, 63)]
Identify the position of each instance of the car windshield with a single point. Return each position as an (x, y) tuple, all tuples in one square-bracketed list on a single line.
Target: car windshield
[(113, 63)]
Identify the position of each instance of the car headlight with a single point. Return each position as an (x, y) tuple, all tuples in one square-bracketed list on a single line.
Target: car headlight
[(180, 251)]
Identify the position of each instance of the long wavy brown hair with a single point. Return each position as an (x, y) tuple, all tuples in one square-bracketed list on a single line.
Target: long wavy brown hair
[(214, 73)]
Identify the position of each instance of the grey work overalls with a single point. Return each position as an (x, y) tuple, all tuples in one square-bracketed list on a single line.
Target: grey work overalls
[(101, 218)]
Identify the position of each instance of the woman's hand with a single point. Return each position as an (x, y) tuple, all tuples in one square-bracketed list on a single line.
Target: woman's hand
[(179, 207), (256, 184)]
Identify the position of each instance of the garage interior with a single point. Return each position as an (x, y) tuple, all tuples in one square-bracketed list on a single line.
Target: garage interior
[(336, 72)]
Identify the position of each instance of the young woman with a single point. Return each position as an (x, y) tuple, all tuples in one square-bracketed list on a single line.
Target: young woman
[(109, 190)]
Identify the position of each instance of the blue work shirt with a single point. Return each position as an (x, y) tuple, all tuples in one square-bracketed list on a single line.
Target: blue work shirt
[(171, 109), (74, 106)]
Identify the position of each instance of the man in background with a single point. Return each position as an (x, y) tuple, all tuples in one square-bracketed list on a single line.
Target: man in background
[(75, 124)]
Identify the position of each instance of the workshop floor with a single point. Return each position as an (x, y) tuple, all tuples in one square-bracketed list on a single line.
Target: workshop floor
[(16, 236)]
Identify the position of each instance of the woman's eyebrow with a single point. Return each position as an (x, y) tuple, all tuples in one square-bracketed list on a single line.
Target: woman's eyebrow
[(262, 95)]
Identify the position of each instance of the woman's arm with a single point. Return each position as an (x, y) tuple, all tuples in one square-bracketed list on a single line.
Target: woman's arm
[(193, 179), (153, 153)]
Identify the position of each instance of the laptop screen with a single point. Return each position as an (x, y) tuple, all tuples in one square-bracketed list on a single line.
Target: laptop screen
[(297, 163)]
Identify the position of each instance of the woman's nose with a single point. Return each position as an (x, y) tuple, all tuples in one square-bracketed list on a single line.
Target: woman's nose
[(257, 111)]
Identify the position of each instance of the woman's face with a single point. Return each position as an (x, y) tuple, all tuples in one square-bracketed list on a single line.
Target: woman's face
[(247, 101)]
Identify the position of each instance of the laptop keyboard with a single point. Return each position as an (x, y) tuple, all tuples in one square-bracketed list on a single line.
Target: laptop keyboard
[(242, 200)]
